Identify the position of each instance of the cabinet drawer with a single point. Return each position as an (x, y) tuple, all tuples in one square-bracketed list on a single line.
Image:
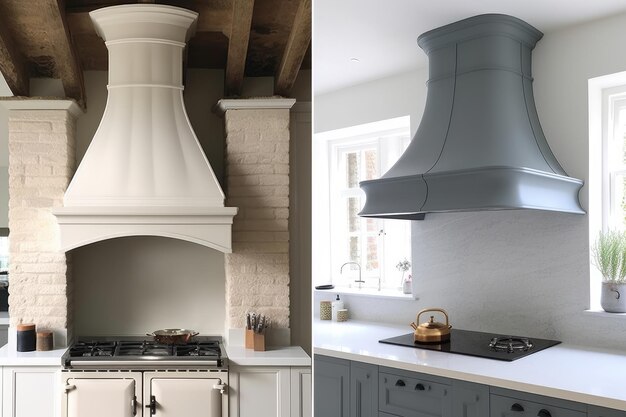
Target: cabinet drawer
[(502, 406), (413, 396), (605, 412)]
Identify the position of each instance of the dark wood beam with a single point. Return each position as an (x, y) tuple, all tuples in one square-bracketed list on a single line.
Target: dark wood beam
[(238, 46), (13, 65), (67, 66), (298, 42)]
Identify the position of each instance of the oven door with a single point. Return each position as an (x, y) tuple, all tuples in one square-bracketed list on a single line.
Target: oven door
[(184, 394), (102, 395)]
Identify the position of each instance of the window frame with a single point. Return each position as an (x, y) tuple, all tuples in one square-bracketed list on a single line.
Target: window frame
[(370, 135), (614, 101)]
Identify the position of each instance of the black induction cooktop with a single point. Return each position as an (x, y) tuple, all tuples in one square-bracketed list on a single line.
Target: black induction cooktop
[(483, 345)]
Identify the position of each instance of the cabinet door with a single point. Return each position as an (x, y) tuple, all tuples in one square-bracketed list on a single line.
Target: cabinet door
[(469, 400), (193, 397), (101, 397), (331, 379), (605, 412), (301, 390), (30, 391), (259, 391), (363, 390)]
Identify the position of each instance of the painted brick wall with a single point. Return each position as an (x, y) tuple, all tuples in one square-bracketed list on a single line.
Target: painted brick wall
[(257, 181), (41, 164)]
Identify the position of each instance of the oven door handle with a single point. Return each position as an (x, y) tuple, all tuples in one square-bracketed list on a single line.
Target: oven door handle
[(133, 405), (152, 405), (221, 387), (68, 387)]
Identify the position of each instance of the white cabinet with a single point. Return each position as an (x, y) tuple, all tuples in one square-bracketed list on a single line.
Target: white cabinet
[(30, 391), (263, 391), (301, 392)]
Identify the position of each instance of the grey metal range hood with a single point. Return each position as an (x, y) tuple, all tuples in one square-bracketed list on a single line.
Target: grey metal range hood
[(479, 145)]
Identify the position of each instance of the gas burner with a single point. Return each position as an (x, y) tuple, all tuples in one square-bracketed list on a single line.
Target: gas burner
[(87, 349), (144, 348), (199, 349), (510, 344)]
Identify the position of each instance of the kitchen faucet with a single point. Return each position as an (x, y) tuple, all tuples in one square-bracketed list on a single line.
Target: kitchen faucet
[(360, 281)]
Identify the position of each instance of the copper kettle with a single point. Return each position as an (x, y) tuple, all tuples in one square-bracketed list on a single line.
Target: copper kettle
[(431, 331)]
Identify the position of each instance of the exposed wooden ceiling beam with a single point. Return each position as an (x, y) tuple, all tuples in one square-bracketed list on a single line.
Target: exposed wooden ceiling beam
[(13, 65), (238, 46), (67, 66), (298, 42)]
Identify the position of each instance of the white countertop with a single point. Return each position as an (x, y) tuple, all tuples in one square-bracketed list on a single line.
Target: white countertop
[(11, 357), (274, 356), (587, 375)]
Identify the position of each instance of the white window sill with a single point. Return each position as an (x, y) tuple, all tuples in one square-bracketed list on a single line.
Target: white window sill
[(370, 292), (602, 313)]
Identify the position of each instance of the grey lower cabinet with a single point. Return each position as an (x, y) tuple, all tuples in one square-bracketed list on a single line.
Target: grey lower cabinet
[(331, 384), (354, 389), (344, 388), (604, 412), (507, 403), (409, 394), (469, 399), (363, 390)]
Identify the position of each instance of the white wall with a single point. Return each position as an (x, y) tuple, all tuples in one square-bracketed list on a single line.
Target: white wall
[(523, 272), (135, 285), (402, 95)]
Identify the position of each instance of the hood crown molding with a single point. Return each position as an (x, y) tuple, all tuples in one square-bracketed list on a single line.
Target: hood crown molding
[(144, 172)]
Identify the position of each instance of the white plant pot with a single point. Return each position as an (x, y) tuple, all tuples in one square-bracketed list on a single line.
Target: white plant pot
[(613, 297), (407, 287)]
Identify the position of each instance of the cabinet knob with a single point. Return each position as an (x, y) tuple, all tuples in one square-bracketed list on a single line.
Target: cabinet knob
[(367, 376), (544, 413), (420, 387), (517, 408), (400, 383)]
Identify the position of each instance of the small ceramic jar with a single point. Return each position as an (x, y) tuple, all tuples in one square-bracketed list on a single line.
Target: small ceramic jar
[(326, 310)]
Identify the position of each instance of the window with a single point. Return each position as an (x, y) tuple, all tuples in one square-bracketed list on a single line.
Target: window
[(614, 160), (607, 165), (343, 158)]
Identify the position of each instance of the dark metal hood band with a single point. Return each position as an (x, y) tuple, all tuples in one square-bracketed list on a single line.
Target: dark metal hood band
[(479, 145)]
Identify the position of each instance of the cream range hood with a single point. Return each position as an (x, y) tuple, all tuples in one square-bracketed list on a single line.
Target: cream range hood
[(144, 172)]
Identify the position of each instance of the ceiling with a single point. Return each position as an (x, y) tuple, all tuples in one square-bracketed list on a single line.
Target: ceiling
[(56, 39), (382, 34)]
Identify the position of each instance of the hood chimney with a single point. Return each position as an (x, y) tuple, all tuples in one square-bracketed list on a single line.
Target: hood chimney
[(144, 172)]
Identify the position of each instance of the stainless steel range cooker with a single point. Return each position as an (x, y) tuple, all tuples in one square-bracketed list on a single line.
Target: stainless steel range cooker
[(134, 376)]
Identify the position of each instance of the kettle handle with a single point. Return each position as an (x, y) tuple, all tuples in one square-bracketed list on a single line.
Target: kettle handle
[(441, 310)]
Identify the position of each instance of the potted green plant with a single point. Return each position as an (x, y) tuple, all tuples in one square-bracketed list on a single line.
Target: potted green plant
[(609, 254)]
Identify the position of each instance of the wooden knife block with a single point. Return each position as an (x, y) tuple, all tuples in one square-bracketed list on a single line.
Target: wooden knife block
[(255, 341)]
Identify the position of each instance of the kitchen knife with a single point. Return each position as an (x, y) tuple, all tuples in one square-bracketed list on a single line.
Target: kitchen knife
[(248, 325)]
